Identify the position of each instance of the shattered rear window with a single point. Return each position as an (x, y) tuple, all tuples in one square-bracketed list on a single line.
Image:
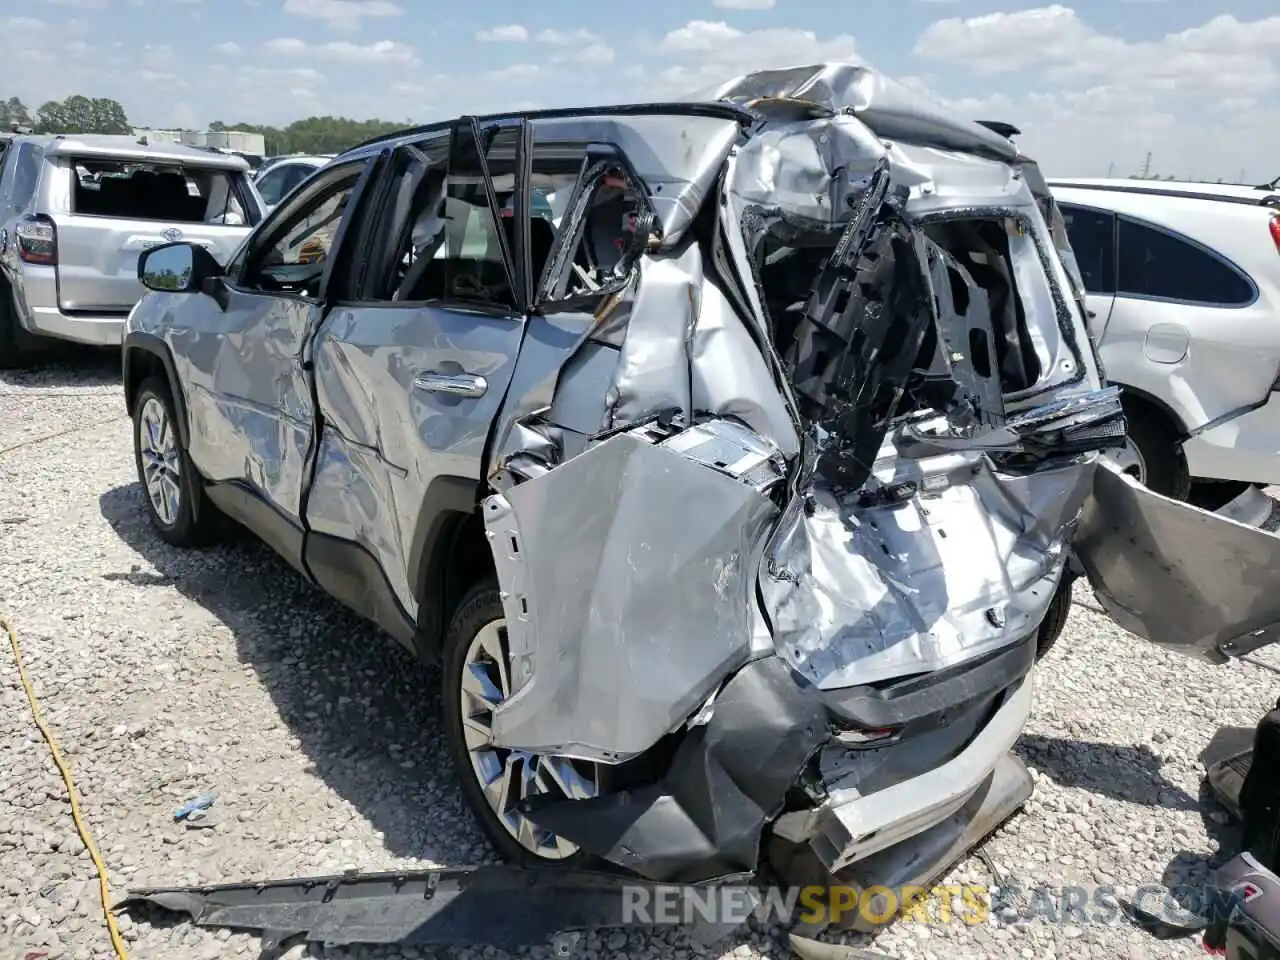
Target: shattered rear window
[(175, 193)]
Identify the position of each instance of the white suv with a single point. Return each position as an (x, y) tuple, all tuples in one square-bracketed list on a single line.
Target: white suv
[(1183, 281)]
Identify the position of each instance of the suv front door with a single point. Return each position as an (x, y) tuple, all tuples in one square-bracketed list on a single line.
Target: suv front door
[(244, 358), (411, 373)]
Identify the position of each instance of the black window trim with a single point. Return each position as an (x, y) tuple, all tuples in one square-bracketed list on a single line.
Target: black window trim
[(272, 228), (1064, 206)]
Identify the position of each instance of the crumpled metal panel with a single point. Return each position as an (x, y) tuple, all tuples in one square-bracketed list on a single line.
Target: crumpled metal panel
[(890, 108), (808, 169), (653, 370), (862, 593), (549, 341), (1184, 578), (729, 377), (677, 157), (628, 577)]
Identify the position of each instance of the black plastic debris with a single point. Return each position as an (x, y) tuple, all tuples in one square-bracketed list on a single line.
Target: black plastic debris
[(500, 906)]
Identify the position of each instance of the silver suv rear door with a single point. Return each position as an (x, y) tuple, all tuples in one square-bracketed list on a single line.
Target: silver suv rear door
[(410, 375), (105, 221)]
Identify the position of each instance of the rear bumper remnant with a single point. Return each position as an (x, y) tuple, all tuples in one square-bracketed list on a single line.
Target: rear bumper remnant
[(450, 907)]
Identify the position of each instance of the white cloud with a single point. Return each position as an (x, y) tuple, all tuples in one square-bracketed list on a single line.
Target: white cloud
[(1089, 102), (79, 4), (342, 14), (1201, 100), (517, 71), (592, 55), (343, 51), (709, 52), (566, 38), (744, 4), (507, 33)]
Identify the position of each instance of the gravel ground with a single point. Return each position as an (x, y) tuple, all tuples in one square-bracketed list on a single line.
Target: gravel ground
[(166, 674)]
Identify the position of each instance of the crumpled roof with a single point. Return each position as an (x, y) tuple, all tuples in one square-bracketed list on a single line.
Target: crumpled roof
[(888, 107)]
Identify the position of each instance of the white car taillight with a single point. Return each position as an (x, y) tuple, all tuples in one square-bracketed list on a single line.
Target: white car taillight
[(37, 240)]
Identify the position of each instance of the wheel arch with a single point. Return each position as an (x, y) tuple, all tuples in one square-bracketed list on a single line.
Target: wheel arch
[(144, 355), (1134, 396), (450, 553)]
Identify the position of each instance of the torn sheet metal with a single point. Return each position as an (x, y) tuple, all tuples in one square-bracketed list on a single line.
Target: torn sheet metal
[(812, 170), (729, 376), (728, 778), (653, 371), (625, 611), (550, 340), (1183, 578), (503, 907), (934, 568)]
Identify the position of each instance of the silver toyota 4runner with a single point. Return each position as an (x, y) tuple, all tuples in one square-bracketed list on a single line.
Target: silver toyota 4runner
[(734, 457), (75, 212)]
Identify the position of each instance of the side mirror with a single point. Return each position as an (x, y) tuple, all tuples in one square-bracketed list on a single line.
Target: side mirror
[(177, 268)]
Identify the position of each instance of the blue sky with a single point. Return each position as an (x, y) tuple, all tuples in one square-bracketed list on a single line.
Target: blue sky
[(1094, 85)]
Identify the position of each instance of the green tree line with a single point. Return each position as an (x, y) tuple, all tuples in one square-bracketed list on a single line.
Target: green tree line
[(81, 114), (77, 114), (315, 134)]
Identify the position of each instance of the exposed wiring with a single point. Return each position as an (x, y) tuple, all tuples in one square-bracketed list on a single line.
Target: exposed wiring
[(104, 891)]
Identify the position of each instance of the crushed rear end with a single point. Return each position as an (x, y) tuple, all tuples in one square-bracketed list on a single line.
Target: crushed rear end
[(782, 531)]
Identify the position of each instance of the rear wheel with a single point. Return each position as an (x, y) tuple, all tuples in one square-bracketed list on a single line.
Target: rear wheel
[(174, 497), (14, 354), (477, 678), (1055, 618), (1152, 454)]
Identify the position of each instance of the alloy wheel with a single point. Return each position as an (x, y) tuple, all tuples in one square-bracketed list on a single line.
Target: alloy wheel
[(1129, 459), (509, 776), (161, 460)]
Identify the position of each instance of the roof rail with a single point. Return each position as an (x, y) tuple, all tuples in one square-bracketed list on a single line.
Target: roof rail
[(1268, 200)]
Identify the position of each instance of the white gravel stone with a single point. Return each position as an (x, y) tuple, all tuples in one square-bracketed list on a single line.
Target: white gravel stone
[(167, 674)]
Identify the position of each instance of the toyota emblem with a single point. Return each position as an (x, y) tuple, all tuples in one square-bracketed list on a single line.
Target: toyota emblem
[(172, 234)]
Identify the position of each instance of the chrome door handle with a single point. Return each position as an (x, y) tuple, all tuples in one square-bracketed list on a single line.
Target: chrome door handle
[(457, 384)]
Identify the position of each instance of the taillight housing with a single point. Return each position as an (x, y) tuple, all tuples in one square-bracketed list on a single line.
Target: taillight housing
[(37, 240), (1274, 226)]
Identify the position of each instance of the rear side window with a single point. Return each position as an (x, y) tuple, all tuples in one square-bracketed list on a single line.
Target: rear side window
[(279, 181), (1156, 263), (174, 193), (1092, 234)]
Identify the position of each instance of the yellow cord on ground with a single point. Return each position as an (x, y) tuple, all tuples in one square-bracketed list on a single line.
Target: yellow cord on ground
[(82, 828)]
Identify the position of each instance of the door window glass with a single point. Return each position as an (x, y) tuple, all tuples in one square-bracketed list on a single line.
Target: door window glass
[(272, 185), (295, 260), (1092, 237), (1155, 263), (457, 241)]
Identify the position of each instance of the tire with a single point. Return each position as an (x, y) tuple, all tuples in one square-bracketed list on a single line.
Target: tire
[(175, 500), (12, 354), (1055, 618), (478, 614), (1156, 441)]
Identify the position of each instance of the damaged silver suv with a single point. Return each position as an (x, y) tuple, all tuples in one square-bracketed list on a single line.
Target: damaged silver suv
[(732, 455)]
